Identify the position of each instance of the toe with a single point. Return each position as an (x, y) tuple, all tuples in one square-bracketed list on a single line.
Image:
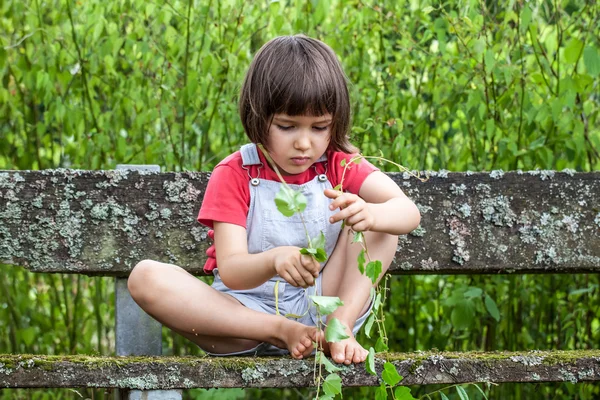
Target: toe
[(349, 355)]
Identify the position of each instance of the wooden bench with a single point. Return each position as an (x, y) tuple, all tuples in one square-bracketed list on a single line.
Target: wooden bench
[(104, 222)]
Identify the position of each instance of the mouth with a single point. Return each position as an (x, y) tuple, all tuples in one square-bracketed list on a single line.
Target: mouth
[(300, 160)]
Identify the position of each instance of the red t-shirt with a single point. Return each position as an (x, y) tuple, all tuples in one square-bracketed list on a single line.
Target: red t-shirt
[(227, 196)]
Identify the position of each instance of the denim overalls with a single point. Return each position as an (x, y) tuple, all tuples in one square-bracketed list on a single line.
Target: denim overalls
[(268, 228)]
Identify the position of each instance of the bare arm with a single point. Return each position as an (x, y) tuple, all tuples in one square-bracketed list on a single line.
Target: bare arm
[(241, 270), (380, 206)]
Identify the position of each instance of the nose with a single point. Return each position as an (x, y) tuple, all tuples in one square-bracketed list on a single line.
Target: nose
[(302, 141)]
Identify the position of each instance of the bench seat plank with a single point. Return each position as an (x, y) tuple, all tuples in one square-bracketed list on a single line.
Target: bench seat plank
[(104, 222), (147, 373)]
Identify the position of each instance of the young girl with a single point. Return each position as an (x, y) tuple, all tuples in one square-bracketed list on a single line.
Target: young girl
[(295, 103)]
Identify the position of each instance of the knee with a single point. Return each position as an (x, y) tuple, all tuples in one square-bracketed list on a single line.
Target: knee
[(382, 246), (141, 280)]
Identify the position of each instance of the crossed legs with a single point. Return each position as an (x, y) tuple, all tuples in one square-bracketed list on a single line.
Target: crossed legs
[(220, 324), (213, 320)]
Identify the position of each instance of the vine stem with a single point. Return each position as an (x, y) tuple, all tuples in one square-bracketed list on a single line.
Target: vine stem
[(270, 160)]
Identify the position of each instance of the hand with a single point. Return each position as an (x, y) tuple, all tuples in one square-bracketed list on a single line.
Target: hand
[(297, 269), (353, 209)]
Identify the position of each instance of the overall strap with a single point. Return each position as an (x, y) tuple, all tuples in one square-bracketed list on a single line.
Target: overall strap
[(250, 155)]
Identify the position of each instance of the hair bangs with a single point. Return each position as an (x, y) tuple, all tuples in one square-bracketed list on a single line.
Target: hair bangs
[(305, 93)]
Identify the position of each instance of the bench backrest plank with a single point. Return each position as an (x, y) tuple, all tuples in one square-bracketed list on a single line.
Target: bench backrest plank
[(103, 222)]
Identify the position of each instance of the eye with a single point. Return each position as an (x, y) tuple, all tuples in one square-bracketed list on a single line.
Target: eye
[(320, 128), (284, 127)]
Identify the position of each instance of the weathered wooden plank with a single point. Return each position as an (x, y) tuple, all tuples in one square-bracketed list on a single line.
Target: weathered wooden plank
[(30, 371), (103, 222)]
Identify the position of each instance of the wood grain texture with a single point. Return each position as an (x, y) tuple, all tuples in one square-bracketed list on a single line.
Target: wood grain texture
[(104, 222)]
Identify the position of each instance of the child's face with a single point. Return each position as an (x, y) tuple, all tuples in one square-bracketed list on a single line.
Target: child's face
[(296, 142)]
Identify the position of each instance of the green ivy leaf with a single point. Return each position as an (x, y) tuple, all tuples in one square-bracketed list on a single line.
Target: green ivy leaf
[(461, 393), (443, 396), (403, 393), (332, 385), (370, 362), (343, 162), (380, 345), (361, 261), (329, 366), (390, 375), (369, 325), (381, 392), (289, 201), (358, 237), (318, 242), (335, 331), (326, 304), (318, 254), (492, 308), (377, 302), (373, 270)]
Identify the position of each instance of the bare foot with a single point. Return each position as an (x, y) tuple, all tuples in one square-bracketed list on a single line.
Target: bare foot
[(298, 338), (346, 351)]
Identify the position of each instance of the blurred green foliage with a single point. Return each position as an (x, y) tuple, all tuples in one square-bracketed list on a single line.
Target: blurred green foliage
[(457, 85)]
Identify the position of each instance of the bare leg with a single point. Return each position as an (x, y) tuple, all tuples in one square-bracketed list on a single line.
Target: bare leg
[(213, 320), (342, 278)]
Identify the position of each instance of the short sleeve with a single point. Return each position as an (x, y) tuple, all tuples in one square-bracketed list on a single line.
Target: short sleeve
[(226, 199)]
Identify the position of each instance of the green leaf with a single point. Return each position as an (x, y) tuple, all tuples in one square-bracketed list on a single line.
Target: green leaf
[(332, 385), (481, 391), (525, 18), (289, 201), (490, 61), (377, 302), (370, 362), (358, 237), (373, 270), (492, 308), (361, 261), (318, 242), (463, 314), (335, 331), (380, 345), (443, 396), (321, 255), (473, 292), (326, 304), (427, 10), (369, 325), (572, 50), (403, 393), (329, 366), (318, 254), (343, 162), (381, 392), (461, 393), (390, 375), (591, 59)]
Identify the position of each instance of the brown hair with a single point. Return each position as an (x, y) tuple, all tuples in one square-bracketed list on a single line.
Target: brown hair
[(295, 75)]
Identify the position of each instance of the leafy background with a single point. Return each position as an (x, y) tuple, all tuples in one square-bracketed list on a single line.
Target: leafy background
[(456, 85)]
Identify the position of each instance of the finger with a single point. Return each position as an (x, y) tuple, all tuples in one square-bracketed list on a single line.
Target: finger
[(332, 194), (311, 265), (297, 277), (307, 277), (342, 201), (288, 278)]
